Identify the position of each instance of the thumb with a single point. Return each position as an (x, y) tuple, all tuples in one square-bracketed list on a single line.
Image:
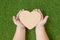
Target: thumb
[(45, 19), (14, 19)]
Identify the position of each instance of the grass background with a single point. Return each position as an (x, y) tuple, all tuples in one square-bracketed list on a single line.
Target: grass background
[(8, 8)]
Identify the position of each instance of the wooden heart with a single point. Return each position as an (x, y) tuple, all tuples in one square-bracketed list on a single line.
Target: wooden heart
[(29, 19)]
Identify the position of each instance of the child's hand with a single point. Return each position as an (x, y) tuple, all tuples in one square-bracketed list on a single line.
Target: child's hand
[(20, 30), (43, 20), (40, 30), (16, 19)]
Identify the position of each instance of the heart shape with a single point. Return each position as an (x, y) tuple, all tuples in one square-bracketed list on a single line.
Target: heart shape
[(29, 19)]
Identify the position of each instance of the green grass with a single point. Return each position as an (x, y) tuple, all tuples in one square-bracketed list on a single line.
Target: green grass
[(8, 8)]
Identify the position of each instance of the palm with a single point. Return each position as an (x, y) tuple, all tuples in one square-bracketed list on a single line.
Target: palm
[(43, 20), (16, 19)]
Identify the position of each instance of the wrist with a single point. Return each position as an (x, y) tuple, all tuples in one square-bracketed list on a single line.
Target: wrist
[(20, 27), (39, 27)]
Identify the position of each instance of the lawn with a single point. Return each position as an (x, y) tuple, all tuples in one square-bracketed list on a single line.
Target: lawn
[(8, 8)]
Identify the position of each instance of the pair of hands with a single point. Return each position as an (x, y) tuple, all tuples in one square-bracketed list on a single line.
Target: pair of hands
[(41, 23)]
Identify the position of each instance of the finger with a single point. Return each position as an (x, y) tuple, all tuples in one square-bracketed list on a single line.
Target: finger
[(45, 19), (17, 16), (35, 9), (40, 13), (22, 9), (14, 19), (19, 13)]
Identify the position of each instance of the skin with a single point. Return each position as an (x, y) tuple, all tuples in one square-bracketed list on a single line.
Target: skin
[(20, 29), (40, 30)]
